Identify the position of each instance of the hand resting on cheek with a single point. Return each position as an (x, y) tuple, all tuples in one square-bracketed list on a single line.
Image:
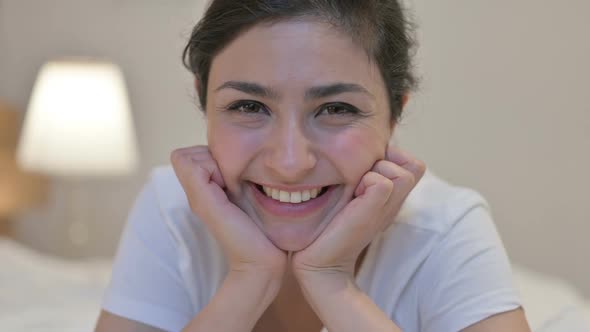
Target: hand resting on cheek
[(246, 247), (378, 198)]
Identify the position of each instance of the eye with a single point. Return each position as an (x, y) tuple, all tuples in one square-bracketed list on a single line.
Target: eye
[(338, 109), (247, 107)]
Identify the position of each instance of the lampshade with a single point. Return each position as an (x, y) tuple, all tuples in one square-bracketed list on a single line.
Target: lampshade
[(78, 122)]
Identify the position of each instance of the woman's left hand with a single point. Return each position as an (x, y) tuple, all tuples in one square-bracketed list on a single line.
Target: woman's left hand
[(377, 200)]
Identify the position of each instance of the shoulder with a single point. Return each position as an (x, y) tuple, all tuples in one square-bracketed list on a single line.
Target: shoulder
[(162, 210), (436, 206), (196, 249), (442, 260), (175, 212), (160, 213), (167, 188), (436, 222), (155, 278), (163, 201)]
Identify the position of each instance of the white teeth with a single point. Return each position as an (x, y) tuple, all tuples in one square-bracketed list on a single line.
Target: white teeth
[(284, 196), (296, 197), (305, 195), (314, 193), (291, 197)]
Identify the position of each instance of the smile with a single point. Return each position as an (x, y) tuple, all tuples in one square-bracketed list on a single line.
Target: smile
[(292, 203), (292, 196)]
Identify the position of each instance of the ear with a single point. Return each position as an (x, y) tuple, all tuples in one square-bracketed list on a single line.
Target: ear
[(405, 99)]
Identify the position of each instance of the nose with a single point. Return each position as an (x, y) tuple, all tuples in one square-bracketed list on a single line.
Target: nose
[(291, 154)]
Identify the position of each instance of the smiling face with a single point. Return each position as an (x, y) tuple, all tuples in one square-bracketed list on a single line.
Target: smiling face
[(293, 106)]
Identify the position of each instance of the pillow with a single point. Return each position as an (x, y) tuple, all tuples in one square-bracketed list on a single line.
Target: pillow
[(570, 319), (40, 292)]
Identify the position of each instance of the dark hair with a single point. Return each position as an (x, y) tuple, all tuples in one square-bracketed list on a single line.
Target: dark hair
[(379, 26)]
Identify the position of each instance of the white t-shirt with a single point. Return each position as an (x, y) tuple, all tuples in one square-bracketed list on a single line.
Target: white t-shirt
[(440, 267)]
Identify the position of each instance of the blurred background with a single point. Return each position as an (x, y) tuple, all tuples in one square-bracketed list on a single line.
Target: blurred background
[(502, 108)]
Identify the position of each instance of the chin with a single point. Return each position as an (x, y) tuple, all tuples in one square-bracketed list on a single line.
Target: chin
[(292, 239)]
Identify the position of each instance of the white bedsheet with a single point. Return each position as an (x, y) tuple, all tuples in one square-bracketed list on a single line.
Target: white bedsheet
[(44, 293)]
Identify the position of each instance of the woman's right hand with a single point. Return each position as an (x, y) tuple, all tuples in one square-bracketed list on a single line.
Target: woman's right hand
[(245, 245)]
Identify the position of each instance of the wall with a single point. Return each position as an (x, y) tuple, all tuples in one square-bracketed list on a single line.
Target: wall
[(146, 39), (502, 109)]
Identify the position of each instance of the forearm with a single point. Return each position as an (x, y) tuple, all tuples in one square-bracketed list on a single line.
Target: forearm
[(238, 304), (342, 306)]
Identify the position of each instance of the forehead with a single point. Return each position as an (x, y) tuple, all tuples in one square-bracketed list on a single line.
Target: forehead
[(295, 55)]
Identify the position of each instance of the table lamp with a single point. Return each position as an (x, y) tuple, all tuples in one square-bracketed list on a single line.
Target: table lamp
[(78, 125)]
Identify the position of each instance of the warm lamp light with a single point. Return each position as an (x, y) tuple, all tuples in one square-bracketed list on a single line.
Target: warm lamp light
[(78, 122)]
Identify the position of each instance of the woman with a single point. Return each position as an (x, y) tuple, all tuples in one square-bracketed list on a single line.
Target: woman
[(299, 214)]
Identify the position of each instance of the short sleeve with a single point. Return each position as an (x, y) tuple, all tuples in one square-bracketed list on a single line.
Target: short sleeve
[(146, 283), (467, 278)]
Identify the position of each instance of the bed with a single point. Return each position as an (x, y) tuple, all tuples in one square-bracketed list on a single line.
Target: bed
[(39, 292)]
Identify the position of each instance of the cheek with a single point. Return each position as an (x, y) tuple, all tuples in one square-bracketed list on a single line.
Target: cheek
[(232, 148), (356, 145)]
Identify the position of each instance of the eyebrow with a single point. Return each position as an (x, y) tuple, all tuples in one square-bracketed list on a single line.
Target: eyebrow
[(316, 92)]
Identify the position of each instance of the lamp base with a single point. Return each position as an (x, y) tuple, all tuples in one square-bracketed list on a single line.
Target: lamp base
[(5, 227)]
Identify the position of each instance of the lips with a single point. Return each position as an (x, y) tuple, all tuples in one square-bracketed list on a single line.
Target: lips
[(287, 209)]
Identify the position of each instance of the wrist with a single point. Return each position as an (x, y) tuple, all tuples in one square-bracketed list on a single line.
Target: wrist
[(245, 295), (342, 305), (309, 274), (270, 273), (307, 269), (266, 281), (324, 282)]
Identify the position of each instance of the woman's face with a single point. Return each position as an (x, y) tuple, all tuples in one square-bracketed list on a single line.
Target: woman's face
[(291, 107)]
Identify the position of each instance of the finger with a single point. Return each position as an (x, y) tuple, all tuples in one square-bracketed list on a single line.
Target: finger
[(233, 229), (406, 160), (374, 191), (208, 200), (369, 179), (198, 155), (356, 224), (194, 148), (212, 169), (193, 151), (195, 178), (403, 179)]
